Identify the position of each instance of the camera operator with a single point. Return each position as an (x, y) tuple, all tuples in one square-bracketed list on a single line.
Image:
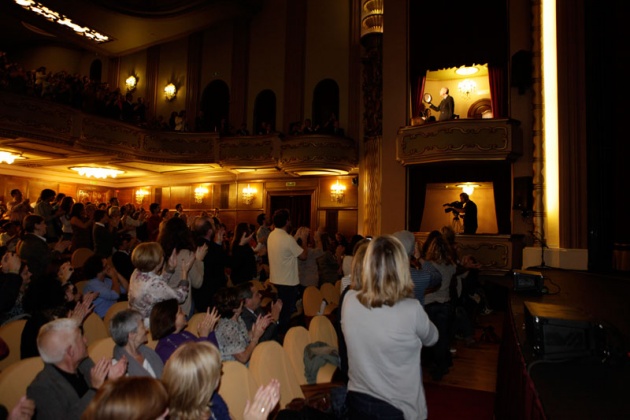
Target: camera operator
[(468, 211)]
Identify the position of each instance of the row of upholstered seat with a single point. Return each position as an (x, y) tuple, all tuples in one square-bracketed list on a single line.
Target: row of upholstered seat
[(269, 360)]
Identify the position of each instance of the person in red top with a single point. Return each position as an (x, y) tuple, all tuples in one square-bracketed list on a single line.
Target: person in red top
[(153, 222)]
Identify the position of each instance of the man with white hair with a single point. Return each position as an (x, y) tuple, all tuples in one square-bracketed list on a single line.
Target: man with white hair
[(69, 380)]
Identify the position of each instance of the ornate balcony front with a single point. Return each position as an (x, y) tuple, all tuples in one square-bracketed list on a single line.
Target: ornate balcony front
[(48, 134), (466, 139)]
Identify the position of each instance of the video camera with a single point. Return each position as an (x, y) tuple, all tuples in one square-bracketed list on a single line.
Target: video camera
[(456, 204)]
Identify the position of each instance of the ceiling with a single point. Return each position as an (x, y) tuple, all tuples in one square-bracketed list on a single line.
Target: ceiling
[(131, 25)]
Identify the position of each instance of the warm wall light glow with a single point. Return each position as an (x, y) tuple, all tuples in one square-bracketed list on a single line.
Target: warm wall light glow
[(53, 16), (131, 83), (337, 191), (200, 194), (8, 157), (140, 194), (248, 194), (101, 173), (467, 87), (468, 188), (170, 91), (550, 129)]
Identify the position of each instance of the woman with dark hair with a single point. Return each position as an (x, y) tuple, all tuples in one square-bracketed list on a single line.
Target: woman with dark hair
[(327, 263), (81, 228), (130, 335), (104, 280), (176, 237), (243, 258), (438, 303), (45, 209), (385, 377), (131, 398), (235, 342), (66, 226), (168, 323)]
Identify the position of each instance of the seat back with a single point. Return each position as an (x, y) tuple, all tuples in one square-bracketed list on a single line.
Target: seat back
[(295, 340), (11, 333), (102, 348), (94, 329), (321, 329), (79, 256), (194, 321), (312, 301), (113, 310), (237, 387), (330, 293), (81, 285), (16, 378), (269, 361)]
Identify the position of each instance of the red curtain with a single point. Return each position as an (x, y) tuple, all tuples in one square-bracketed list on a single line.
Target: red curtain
[(498, 91), (417, 99)]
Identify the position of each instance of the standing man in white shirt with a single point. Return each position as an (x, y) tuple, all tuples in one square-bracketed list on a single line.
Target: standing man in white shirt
[(284, 252)]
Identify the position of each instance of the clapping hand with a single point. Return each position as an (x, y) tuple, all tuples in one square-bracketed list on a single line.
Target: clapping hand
[(11, 263), (208, 323), (245, 239), (264, 402), (201, 252), (65, 272)]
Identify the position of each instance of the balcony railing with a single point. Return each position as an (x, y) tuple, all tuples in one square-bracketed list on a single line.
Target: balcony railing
[(63, 127), (466, 139)]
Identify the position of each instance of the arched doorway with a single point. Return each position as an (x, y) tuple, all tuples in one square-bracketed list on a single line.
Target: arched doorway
[(215, 105), (325, 102), (264, 110)]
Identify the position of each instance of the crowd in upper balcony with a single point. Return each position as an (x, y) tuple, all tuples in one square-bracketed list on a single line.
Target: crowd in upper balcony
[(80, 92)]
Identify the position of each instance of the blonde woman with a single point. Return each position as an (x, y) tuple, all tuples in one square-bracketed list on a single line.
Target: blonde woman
[(385, 329), (191, 377)]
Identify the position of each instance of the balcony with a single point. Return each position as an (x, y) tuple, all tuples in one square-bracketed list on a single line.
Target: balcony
[(455, 140), (55, 136)]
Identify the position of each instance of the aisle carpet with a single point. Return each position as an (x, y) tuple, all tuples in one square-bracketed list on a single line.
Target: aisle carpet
[(446, 402)]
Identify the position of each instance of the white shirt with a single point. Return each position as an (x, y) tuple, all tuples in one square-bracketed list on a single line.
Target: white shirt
[(283, 251)]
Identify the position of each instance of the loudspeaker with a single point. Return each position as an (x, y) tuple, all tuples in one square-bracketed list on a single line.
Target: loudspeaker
[(528, 281), (557, 332), (355, 181), (523, 193)]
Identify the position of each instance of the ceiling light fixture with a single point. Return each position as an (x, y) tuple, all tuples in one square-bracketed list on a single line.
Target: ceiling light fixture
[(468, 188), (100, 173), (466, 71), (8, 157), (63, 20)]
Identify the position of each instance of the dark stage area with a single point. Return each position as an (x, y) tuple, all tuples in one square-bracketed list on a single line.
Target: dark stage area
[(555, 364)]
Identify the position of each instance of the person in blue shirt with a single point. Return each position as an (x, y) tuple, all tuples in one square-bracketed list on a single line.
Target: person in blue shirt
[(105, 280)]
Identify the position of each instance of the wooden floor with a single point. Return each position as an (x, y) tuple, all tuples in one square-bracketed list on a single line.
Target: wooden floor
[(475, 367)]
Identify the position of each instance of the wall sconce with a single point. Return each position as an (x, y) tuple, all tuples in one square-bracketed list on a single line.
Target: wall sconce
[(170, 92), (468, 188), (248, 194), (131, 83), (337, 191), (200, 194), (140, 194), (8, 157), (96, 172), (466, 88)]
